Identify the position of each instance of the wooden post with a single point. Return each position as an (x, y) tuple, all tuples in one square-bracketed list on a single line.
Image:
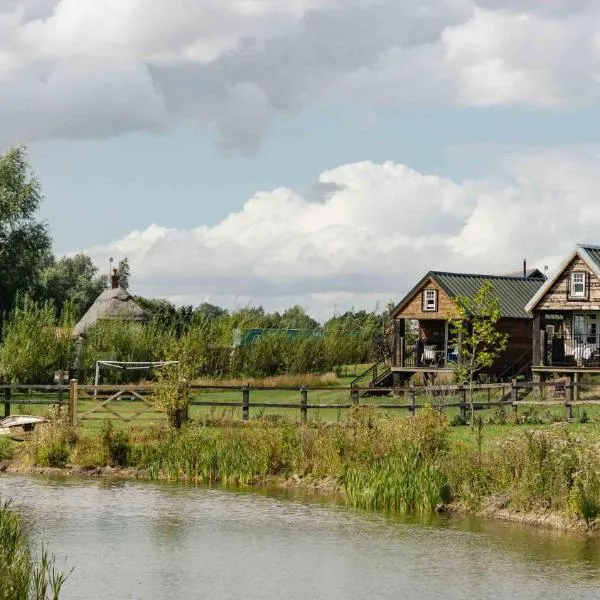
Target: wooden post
[(412, 397), (462, 397), (246, 403), (73, 401), (303, 404), (538, 348), (514, 396), (569, 408), (569, 391), (576, 387), (182, 400), (355, 394), (7, 394)]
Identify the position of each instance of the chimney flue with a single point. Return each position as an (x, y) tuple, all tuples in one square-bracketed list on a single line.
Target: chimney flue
[(114, 279), (524, 267)]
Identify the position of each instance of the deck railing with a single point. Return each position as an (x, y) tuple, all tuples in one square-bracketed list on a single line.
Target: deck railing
[(428, 353), (572, 350)]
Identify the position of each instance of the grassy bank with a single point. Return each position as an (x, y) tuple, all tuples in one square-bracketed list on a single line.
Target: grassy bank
[(23, 575), (412, 464)]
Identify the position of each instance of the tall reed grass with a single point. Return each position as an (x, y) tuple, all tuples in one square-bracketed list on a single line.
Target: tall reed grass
[(23, 575), (381, 463)]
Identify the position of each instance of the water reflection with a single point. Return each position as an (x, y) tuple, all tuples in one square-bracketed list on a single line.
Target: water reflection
[(151, 541)]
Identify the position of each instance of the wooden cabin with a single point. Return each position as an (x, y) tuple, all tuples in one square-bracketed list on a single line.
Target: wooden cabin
[(423, 340), (566, 316)]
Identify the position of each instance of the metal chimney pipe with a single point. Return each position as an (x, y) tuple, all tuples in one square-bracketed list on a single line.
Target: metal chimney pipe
[(524, 267)]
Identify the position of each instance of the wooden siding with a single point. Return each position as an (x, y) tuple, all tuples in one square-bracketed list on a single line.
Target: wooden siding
[(446, 309), (520, 342), (557, 297)]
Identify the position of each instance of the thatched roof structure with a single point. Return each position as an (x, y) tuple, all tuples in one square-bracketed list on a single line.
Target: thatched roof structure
[(115, 303)]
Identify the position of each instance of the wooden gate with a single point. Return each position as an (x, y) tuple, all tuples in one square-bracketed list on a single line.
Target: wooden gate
[(123, 402)]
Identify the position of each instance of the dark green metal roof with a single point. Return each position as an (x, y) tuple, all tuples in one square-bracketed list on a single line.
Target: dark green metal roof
[(593, 252), (512, 292)]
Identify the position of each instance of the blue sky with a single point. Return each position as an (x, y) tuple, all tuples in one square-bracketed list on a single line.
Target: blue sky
[(99, 190), (321, 152)]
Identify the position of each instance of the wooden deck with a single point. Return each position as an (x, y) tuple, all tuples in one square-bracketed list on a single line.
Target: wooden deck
[(566, 369), (431, 369)]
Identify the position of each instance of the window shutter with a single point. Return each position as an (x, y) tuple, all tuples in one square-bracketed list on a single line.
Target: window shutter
[(423, 301), (437, 299), (569, 279)]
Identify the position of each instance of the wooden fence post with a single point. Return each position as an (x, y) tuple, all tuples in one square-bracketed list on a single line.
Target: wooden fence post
[(462, 398), (182, 401), (355, 395), (73, 401), (513, 391), (412, 396), (246, 403), (569, 408), (7, 394), (303, 404), (569, 392)]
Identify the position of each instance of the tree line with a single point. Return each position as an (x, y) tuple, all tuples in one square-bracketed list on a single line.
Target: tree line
[(42, 296)]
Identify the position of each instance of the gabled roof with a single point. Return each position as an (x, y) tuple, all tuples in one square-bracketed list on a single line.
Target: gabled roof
[(588, 253), (114, 303), (513, 292)]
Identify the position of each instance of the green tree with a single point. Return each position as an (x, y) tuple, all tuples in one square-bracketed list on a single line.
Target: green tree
[(480, 342), (73, 279), (24, 241), (296, 318), (34, 343), (124, 273)]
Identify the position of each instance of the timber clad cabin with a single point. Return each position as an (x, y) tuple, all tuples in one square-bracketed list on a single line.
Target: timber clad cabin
[(566, 316), (423, 340)]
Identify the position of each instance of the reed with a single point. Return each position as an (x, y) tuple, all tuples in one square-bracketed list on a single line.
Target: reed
[(23, 575), (381, 463)]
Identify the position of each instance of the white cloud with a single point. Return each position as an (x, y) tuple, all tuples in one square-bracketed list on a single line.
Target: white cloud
[(375, 234), (235, 64)]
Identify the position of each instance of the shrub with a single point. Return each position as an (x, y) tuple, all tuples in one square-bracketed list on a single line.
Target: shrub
[(116, 445)]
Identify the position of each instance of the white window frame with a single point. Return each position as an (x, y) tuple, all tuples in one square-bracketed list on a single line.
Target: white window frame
[(427, 306), (578, 278)]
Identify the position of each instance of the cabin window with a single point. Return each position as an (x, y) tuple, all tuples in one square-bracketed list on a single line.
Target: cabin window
[(578, 285), (430, 300)]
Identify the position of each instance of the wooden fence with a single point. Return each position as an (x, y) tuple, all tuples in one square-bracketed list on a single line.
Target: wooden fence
[(90, 402)]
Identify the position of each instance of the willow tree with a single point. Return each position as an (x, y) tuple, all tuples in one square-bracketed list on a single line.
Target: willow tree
[(476, 328)]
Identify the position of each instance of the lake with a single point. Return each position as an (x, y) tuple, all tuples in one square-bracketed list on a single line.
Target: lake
[(155, 541)]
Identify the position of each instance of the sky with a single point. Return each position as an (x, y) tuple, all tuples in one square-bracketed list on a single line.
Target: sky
[(325, 153)]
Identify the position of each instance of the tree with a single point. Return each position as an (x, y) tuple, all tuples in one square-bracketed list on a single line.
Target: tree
[(124, 273), (480, 342), (24, 241), (296, 318), (35, 344), (72, 279)]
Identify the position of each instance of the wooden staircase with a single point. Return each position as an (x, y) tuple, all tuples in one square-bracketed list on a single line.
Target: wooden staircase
[(377, 376)]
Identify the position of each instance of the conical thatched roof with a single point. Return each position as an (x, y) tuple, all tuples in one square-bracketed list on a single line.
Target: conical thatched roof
[(115, 303)]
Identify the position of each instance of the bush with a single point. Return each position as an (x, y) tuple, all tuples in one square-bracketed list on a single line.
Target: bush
[(116, 445), (52, 444)]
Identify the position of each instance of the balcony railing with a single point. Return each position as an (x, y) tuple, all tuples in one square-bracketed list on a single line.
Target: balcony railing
[(572, 350), (424, 353)]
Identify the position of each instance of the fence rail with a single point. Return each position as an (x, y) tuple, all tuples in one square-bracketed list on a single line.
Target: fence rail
[(87, 402)]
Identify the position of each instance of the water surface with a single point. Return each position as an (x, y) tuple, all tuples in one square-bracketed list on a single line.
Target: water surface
[(153, 541)]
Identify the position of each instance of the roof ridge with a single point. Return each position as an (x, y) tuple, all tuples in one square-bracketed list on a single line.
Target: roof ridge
[(593, 246), (488, 276)]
